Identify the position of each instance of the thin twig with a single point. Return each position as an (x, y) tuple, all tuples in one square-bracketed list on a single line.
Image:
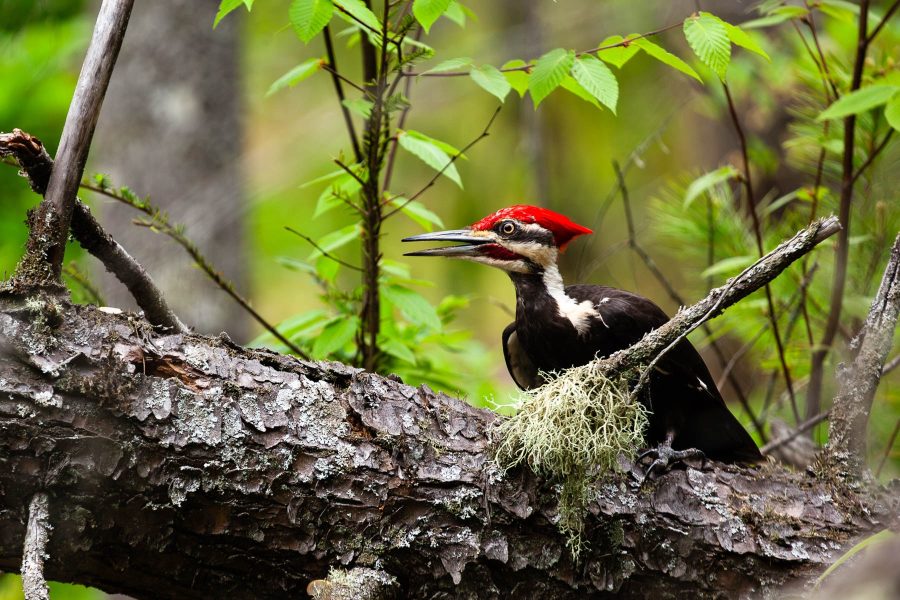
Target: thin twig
[(339, 90), (757, 232), (799, 430), (817, 368), (887, 448), (528, 67), (335, 74), (37, 535), (484, 133), (883, 21), (872, 156), (160, 222), (322, 250), (890, 365), (81, 278)]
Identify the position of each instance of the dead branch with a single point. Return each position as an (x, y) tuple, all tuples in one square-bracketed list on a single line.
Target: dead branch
[(858, 382), (46, 246), (37, 166)]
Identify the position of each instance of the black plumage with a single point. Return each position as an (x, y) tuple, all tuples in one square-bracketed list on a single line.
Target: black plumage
[(682, 397)]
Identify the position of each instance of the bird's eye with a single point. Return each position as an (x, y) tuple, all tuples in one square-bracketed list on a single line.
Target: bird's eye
[(508, 228)]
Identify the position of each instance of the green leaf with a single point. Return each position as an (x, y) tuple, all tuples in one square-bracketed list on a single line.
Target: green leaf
[(882, 536), (892, 112), (337, 334), (454, 64), (450, 149), (456, 12), (293, 327), (666, 57), (517, 79), (324, 178), (302, 71), (344, 186), (491, 80), (776, 16), (335, 240), (355, 12), (732, 264), (780, 202), (429, 11), (619, 55), (359, 106), (430, 153), (309, 17), (397, 349), (549, 72), (741, 38), (859, 101), (225, 7), (598, 80), (416, 211), (413, 306), (327, 268), (708, 38), (706, 182), (573, 87)]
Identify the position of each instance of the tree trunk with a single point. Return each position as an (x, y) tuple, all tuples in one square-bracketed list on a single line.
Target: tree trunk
[(171, 128), (181, 466)]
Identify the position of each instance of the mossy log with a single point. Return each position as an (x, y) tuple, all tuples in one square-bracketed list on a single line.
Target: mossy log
[(182, 466)]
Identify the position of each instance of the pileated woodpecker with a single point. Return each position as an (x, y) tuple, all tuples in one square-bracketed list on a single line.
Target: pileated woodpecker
[(559, 327)]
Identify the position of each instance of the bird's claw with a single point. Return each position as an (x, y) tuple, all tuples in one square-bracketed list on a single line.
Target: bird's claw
[(664, 458)]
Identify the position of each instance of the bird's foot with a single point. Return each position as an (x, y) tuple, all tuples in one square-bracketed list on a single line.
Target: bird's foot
[(664, 458)]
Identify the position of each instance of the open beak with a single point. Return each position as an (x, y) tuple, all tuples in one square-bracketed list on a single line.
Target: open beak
[(464, 236)]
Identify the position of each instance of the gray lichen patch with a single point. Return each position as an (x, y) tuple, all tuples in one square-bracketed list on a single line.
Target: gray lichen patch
[(198, 419)]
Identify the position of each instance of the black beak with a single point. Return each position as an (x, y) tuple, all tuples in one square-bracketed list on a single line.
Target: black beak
[(469, 248)]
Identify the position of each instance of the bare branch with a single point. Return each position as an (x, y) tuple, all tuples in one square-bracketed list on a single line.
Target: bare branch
[(339, 90), (858, 382), (325, 253), (37, 535), (50, 228)]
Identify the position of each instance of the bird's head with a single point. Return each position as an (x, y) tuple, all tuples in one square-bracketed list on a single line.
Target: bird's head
[(518, 239)]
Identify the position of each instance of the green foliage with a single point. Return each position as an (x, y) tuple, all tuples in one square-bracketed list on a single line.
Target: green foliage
[(302, 71), (665, 57), (617, 55), (428, 11), (227, 6), (597, 79), (309, 17), (708, 38), (861, 100), (549, 72), (704, 183), (491, 80), (431, 152)]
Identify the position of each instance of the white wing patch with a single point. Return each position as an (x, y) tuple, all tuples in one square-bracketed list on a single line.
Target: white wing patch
[(578, 313)]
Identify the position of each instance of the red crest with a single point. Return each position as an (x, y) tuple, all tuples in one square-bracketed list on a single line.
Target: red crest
[(564, 229)]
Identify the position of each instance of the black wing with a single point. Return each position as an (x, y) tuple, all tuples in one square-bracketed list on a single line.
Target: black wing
[(518, 363), (682, 394)]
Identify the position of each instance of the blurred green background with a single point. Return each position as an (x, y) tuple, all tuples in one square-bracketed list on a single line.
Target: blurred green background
[(668, 130)]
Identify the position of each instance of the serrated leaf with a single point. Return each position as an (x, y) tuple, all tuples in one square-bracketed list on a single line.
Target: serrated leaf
[(413, 306), (397, 349), (225, 7), (333, 196), (892, 112), (732, 264), (859, 101), (453, 64), (355, 12), (708, 38), (618, 55), (598, 80), (706, 182), (429, 153), (334, 240), (741, 38), (359, 106), (666, 57), (573, 87), (309, 17), (548, 73), (517, 79), (302, 71), (337, 334), (429, 11), (491, 80), (416, 211)]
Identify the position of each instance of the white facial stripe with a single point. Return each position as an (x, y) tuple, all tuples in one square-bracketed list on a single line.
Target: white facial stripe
[(579, 313), (515, 266), (537, 253)]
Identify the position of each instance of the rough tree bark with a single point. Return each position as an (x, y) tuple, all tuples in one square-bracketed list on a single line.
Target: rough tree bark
[(180, 466)]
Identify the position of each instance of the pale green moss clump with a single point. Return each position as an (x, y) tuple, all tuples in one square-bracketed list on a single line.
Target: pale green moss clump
[(572, 428)]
